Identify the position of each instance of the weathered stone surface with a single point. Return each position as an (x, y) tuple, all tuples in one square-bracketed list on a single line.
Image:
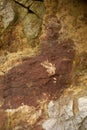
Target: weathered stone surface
[(29, 3), (30, 83), (41, 78), (21, 12), (18, 13), (32, 26), (38, 8), (31, 13), (24, 2), (7, 14), (36, 77), (63, 116), (3, 4)]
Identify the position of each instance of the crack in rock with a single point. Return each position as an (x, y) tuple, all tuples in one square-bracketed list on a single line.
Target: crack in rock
[(27, 7)]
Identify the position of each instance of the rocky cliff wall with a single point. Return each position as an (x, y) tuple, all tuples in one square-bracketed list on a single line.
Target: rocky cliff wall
[(43, 65)]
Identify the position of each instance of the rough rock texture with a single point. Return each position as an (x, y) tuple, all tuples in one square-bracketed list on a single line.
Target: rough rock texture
[(7, 15), (35, 77), (67, 114), (43, 65), (2, 4), (32, 26), (24, 18)]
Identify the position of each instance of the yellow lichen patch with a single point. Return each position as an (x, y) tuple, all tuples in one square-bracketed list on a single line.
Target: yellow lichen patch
[(12, 59), (23, 113), (44, 105), (75, 91), (26, 114)]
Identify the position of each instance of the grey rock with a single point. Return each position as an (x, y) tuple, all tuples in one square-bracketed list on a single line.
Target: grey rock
[(82, 104), (77, 121), (3, 4), (69, 125), (32, 26), (83, 125), (62, 117), (52, 110), (7, 14), (67, 111), (50, 124)]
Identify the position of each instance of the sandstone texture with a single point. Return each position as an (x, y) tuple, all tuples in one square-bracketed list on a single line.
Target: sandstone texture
[(43, 65)]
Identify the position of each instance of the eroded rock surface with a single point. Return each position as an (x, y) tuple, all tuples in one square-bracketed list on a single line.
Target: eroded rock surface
[(7, 15), (62, 114), (43, 66), (28, 15), (2, 4), (44, 75)]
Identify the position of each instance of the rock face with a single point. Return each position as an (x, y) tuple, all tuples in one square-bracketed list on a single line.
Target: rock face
[(43, 65), (26, 14), (32, 26), (2, 4), (62, 114), (44, 76), (35, 78), (7, 15)]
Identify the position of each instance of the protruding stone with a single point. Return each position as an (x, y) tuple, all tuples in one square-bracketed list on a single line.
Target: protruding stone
[(49, 124), (38, 8), (66, 120), (69, 125), (52, 110), (32, 26), (7, 15), (82, 103), (3, 4)]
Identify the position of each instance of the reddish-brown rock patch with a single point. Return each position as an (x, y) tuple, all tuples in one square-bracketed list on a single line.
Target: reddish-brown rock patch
[(30, 82), (42, 77)]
